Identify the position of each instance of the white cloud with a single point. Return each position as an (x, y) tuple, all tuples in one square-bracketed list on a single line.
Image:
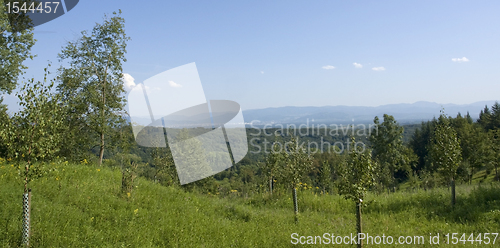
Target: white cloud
[(459, 60), (328, 67), (174, 84), (381, 68), (261, 72), (357, 65), (128, 81)]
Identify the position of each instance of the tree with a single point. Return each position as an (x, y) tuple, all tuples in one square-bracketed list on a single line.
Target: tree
[(36, 132), (291, 163), (323, 168), (495, 150), (446, 152), (16, 41), (419, 143), (92, 84), (271, 167), (495, 116), (164, 166), (4, 122), (33, 134), (388, 149), (325, 177), (356, 176), (129, 165), (490, 120), (474, 143)]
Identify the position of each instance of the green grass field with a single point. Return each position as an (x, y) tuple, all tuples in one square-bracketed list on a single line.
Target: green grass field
[(82, 206)]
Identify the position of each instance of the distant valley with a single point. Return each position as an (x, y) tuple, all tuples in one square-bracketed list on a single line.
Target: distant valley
[(404, 113)]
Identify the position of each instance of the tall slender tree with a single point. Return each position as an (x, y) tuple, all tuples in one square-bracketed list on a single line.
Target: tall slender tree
[(446, 152), (291, 163), (33, 134), (272, 165), (356, 176), (92, 83), (325, 177)]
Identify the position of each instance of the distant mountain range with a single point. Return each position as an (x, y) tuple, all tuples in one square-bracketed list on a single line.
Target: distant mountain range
[(404, 113)]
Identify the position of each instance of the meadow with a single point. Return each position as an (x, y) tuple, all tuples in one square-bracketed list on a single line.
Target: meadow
[(82, 205)]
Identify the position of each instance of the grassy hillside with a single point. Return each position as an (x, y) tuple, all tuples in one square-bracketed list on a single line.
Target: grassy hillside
[(82, 206)]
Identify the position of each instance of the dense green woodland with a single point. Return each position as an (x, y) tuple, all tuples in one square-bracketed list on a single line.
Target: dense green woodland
[(478, 142), (77, 118)]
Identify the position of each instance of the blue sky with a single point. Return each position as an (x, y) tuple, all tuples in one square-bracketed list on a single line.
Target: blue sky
[(274, 53)]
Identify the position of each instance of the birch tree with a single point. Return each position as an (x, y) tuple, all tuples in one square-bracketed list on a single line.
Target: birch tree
[(92, 81)]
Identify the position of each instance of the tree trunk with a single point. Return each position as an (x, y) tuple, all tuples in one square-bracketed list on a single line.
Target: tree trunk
[(295, 204), (101, 152), (452, 192), (358, 222), (271, 185)]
